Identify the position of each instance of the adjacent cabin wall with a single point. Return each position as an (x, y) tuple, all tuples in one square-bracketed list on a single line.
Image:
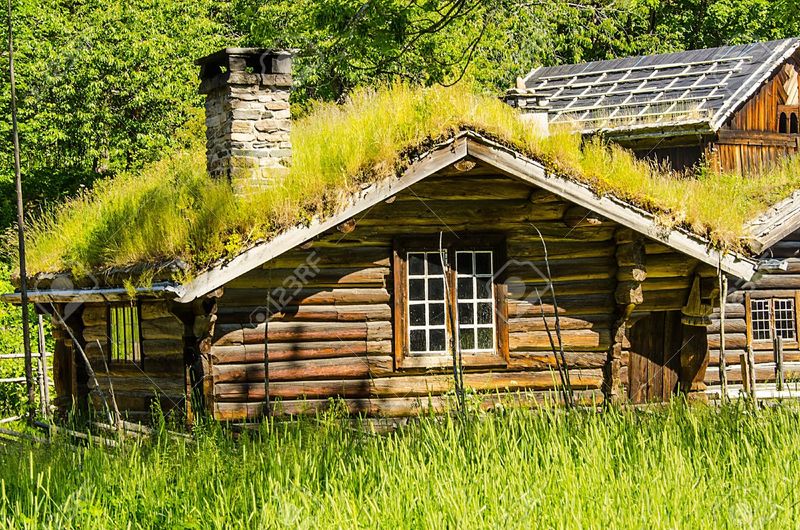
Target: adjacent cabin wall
[(781, 284), (331, 331), (159, 378), (751, 138)]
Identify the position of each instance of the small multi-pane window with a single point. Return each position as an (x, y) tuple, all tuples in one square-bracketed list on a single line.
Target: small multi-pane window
[(475, 292), (773, 317), (426, 303), (124, 334)]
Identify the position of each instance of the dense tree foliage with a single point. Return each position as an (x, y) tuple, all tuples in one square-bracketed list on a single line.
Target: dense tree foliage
[(107, 85)]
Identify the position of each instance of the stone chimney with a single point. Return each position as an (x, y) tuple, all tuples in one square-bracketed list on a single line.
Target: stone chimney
[(534, 107), (247, 114)]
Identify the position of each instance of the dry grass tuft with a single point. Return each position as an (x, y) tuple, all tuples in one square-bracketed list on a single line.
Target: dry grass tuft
[(173, 210)]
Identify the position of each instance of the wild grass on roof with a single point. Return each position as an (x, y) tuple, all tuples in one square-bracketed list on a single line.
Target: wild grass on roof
[(172, 209)]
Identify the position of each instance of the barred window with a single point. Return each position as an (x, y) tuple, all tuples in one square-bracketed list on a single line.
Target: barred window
[(124, 334), (475, 291), (773, 317)]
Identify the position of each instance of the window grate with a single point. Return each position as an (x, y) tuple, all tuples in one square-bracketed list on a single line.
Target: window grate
[(124, 334)]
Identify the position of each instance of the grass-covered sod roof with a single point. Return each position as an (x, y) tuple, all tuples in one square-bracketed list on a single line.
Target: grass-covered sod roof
[(173, 210)]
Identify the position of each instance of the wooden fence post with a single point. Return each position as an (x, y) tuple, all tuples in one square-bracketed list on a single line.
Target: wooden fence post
[(751, 368), (44, 382), (778, 363)]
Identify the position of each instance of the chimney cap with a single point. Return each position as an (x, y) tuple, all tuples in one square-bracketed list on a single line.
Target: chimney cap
[(250, 60)]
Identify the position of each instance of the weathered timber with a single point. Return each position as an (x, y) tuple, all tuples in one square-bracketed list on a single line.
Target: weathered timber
[(338, 368), (228, 334), (575, 340), (402, 386), (310, 295), (162, 328), (311, 313), (288, 278), (290, 351)]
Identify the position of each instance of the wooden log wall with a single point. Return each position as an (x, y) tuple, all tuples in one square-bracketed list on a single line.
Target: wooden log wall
[(779, 284), (161, 375), (330, 335), (751, 138)]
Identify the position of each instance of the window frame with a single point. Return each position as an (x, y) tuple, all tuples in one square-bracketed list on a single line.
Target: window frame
[(136, 309), (451, 243), (770, 298)]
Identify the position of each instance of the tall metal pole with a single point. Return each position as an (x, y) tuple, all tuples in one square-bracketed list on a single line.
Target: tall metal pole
[(26, 338)]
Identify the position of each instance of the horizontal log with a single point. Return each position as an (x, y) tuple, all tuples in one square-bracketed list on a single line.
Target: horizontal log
[(94, 314), (153, 310), (663, 300), (732, 340), (339, 368), (669, 265), (306, 296), (144, 384), (468, 189), (568, 305), (291, 351), (760, 356), (575, 340), (732, 325), (162, 348), (398, 407), (162, 328), (355, 256), (731, 311), (403, 386), (576, 216), (547, 360), (227, 334), (774, 281), (308, 313), (560, 233), (527, 251), (287, 280), (561, 270), (565, 322), (667, 284), (450, 212), (93, 333), (764, 373)]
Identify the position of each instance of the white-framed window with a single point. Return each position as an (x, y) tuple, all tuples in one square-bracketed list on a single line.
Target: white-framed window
[(426, 303), (773, 317), (447, 294), (475, 298)]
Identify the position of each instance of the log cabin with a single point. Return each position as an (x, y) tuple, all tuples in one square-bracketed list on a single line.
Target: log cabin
[(477, 266), (734, 109)]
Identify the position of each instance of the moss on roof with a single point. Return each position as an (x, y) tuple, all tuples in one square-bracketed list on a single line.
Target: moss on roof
[(173, 210)]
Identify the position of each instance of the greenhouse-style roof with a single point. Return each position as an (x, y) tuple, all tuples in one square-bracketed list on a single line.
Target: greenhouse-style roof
[(696, 90)]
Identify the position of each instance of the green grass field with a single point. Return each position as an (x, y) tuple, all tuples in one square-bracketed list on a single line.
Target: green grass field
[(677, 467)]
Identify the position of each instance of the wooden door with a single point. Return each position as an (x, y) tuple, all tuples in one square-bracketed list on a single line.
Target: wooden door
[(655, 357)]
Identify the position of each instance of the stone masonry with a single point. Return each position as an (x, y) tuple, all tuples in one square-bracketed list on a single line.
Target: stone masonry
[(248, 120)]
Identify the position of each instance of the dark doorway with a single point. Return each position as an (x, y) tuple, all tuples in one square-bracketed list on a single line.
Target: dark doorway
[(655, 357)]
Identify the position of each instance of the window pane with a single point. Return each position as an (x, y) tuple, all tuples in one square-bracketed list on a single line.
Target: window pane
[(484, 313), (416, 264), (416, 314), (436, 289), (464, 262), (416, 289), (465, 288), (434, 264), (436, 315), (437, 339), (466, 338), (484, 288), (485, 338), (784, 318), (417, 342), (466, 313), (483, 263), (759, 313)]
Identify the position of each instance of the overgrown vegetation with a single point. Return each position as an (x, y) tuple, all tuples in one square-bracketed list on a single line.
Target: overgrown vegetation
[(172, 210), (677, 467)]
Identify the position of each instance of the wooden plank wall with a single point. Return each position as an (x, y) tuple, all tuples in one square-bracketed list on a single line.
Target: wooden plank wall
[(162, 375), (750, 140), (334, 336), (770, 285)]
